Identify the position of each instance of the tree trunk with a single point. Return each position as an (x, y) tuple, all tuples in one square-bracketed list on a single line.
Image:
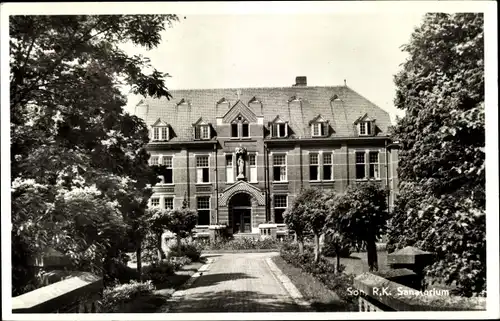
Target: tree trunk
[(337, 249), (316, 248), (301, 246), (371, 249), (138, 254), (178, 243), (158, 247)]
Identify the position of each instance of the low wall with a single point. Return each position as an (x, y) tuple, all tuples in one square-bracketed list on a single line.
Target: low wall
[(79, 293), (379, 294)]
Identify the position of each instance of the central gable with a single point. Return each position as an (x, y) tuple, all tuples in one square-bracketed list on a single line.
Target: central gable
[(241, 187), (239, 108)]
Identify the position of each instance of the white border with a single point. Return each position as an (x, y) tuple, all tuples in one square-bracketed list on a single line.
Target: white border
[(356, 8)]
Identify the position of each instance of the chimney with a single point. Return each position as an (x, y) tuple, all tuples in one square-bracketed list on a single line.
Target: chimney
[(300, 81)]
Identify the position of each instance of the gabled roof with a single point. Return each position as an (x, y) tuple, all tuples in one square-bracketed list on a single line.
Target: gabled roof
[(159, 123), (341, 113), (363, 118), (200, 121), (277, 120), (318, 119), (239, 108)]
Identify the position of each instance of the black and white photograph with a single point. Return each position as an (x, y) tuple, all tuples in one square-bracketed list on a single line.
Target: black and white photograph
[(296, 160)]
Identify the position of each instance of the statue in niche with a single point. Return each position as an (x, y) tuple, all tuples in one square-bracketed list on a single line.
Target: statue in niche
[(241, 167)]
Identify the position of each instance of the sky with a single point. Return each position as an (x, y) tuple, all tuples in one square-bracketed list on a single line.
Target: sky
[(270, 50)]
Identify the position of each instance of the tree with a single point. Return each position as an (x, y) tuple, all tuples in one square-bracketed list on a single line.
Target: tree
[(182, 222), (363, 216), (333, 231), (308, 213), (74, 150), (159, 220), (441, 206)]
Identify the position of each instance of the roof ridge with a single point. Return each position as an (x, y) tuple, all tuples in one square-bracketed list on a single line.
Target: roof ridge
[(271, 87)]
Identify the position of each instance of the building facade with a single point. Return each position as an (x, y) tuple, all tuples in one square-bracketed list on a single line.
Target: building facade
[(240, 156)]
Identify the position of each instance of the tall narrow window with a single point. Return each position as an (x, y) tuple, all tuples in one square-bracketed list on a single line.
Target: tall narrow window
[(374, 165), (205, 133), (365, 128), (155, 201), (234, 130), (279, 130), (169, 203), (202, 169), (280, 205), (244, 130), (360, 165), (169, 171), (279, 168), (252, 164), (313, 167), (164, 133), (229, 169), (203, 206), (327, 167), (154, 160), (156, 133)]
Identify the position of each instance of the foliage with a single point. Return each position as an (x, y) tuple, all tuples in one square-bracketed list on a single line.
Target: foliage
[(191, 250), (441, 205), (243, 243), (334, 246), (182, 222), (360, 215), (119, 271), (114, 297), (323, 270), (308, 215), (80, 173), (158, 272)]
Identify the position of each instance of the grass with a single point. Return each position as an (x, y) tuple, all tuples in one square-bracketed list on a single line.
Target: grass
[(320, 297), (357, 263)]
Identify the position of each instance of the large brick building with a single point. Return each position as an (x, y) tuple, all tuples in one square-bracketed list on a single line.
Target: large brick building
[(240, 156)]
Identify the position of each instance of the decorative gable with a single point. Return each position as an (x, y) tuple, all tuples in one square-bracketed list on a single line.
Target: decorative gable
[(160, 131), (202, 129), (318, 119), (159, 123), (239, 109)]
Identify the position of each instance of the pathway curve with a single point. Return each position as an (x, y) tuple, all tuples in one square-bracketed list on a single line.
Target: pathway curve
[(235, 283)]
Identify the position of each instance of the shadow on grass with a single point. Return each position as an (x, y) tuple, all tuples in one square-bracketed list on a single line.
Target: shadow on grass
[(232, 301)]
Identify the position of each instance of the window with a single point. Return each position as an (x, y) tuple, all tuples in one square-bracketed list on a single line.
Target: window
[(252, 164), (154, 160), (155, 201), (365, 128), (203, 206), (169, 173), (319, 129), (374, 165), (279, 168), (360, 165), (327, 167), (202, 132), (279, 130), (161, 133), (202, 169), (313, 167), (234, 130), (169, 203), (229, 169), (244, 130), (280, 204)]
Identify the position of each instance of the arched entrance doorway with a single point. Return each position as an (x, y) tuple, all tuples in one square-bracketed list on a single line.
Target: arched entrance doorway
[(240, 213)]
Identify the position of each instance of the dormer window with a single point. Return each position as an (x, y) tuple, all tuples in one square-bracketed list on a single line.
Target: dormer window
[(279, 128), (201, 130), (365, 126), (319, 127), (161, 131)]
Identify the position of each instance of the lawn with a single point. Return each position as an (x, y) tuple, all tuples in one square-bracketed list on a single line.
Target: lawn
[(357, 263), (313, 291)]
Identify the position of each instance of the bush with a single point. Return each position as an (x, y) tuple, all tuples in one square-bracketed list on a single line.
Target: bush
[(118, 271), (114, 297), (191, 250), (329, 250), (159, 272), (244, 244), (324, 271)]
